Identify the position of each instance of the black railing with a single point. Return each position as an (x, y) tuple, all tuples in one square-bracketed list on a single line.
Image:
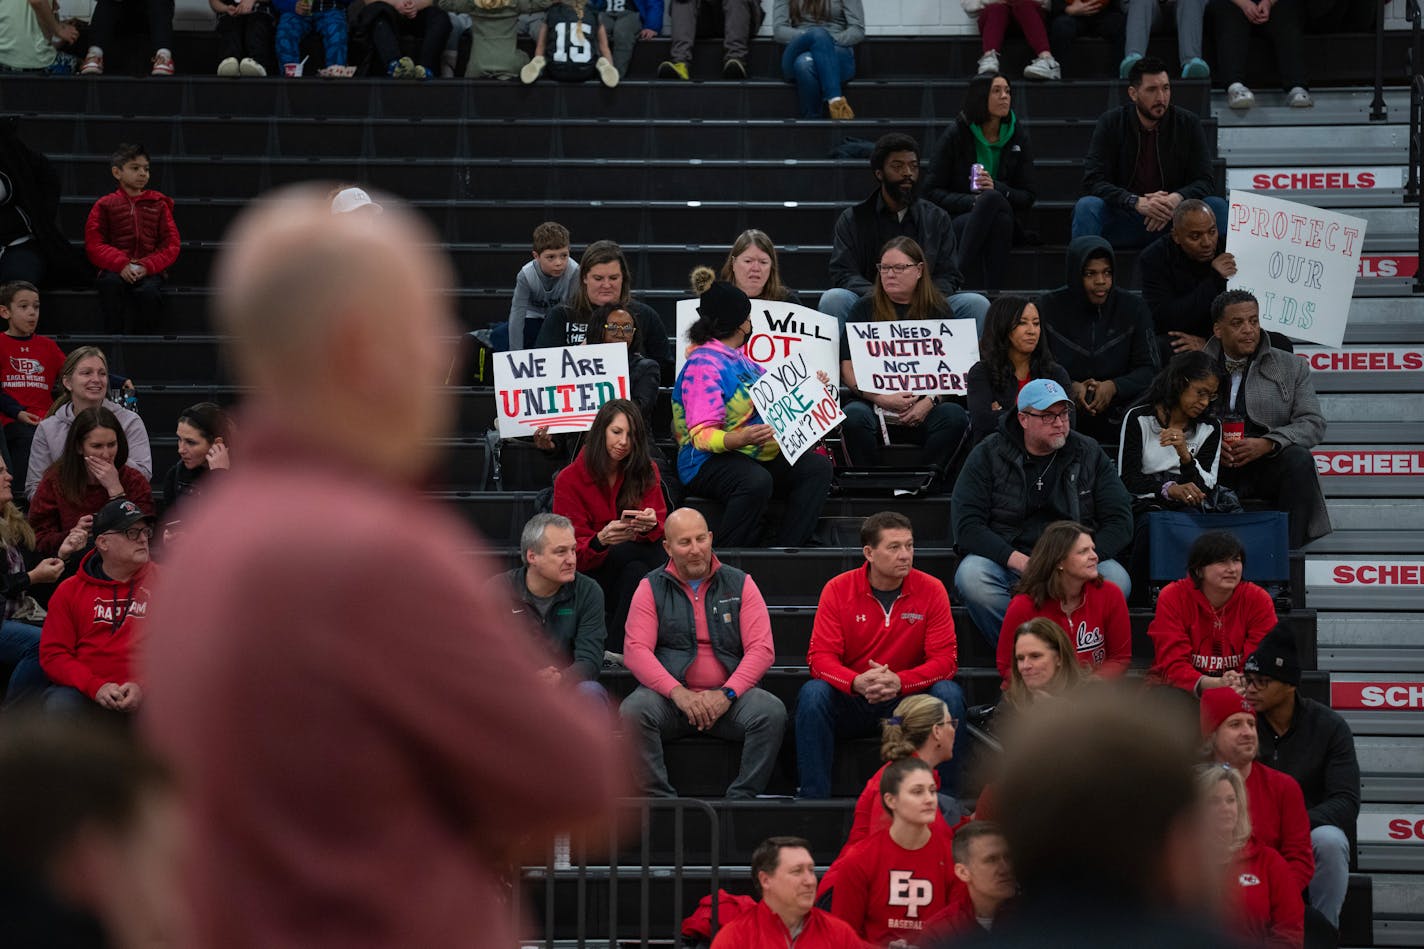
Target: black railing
[(1379, 112)]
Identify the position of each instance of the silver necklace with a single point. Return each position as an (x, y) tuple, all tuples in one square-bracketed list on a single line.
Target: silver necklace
[(1046, 468)]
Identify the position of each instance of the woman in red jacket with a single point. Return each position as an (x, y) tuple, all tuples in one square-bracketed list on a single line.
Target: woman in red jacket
[(92, 471), (1208, 622), (1259, 898), (613, 494), (1062, 583)]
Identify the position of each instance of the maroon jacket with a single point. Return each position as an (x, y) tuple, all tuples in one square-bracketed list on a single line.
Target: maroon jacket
[(53, 516), (121, 229), (590, 506)]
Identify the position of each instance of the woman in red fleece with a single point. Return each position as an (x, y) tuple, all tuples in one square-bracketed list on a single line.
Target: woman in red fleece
[(614, 496), (1261, 904), (1062, 583), (92, 471), (1209, 621)]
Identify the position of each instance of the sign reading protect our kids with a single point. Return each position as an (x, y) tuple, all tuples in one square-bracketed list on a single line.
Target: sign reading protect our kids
[(927, 357), (797, 406), (560, 388), (779, 330), (1299, 261)]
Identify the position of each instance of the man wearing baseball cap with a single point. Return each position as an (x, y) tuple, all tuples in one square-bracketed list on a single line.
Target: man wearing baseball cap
[(1033, 471), (96, 617), (1311, 743)]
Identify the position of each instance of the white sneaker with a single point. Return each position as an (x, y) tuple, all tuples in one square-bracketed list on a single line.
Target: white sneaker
[(228, 67), (1299, 98), (989, 62), (531, 70), (606, 72), (251, 67), (1239, 97), (1043, 67)]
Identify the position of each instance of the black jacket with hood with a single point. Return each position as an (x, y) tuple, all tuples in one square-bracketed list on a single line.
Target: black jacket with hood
[(1183, 158)]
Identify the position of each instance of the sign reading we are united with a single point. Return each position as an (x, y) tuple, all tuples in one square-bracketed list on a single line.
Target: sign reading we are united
[(560, 388)]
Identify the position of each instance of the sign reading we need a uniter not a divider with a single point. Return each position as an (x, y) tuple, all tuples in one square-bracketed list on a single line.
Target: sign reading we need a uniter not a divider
[(927, 357), (560, 388)]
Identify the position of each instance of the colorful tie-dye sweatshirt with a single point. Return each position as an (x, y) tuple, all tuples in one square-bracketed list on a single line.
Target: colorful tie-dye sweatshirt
[(710, 400)]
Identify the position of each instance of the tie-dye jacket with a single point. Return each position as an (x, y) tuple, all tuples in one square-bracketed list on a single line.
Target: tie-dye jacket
[(709, 400)]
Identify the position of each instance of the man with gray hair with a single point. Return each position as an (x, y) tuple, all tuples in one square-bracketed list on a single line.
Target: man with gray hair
[(564, 603), (1180, 277)]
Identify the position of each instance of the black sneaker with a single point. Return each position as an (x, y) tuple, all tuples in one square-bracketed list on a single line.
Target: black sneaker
[(734, 69)]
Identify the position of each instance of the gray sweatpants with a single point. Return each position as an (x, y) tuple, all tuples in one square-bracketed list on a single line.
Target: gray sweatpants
[(1143, 16), (682, 15), (623, 28)]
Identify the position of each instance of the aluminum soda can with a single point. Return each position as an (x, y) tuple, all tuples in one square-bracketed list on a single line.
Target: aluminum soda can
[(975, 170)]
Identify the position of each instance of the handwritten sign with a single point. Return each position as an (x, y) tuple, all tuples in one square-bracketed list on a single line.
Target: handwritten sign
[(929, 357), (799, 409), (778, 330), (1299, 261), (561, 388)]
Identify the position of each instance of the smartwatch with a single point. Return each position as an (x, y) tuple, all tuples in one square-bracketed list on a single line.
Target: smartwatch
[(731, 694)]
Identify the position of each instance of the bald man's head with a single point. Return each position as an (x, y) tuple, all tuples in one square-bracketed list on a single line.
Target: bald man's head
[(688, 542)]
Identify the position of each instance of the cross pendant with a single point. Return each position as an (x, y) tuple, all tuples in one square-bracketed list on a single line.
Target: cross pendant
[(1039, 483)]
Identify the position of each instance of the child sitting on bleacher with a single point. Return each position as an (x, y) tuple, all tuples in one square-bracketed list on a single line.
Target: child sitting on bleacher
[(543, 283), (132, 238), (627, 22), (494, 30), (29, 366), (299, 18), (575, 26), (245, 31)]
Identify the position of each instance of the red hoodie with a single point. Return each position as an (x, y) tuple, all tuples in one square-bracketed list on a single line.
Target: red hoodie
[(915, 637), (590, 506), (1279, 819), (1100, 630), (1191, 640), (1263, 901), (80, 645), (123, 229)]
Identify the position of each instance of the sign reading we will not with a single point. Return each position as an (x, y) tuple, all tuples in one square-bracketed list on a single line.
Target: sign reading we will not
[(797, 406), (927, 357), (560, 388), (779, 330)]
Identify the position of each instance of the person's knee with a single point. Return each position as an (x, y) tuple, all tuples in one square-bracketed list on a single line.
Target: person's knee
[(974, 578), (837, 302), (813, 701), (1088, 213), (991, 202), (1296, 462), (641, 708), (970, 306), (1114, 573), (763, 710), (949, 692), (803, 68), (1331, 845)]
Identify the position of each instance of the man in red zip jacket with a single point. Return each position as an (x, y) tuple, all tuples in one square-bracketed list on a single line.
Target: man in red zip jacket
[(882, 631), (785, 875), (131, 237)]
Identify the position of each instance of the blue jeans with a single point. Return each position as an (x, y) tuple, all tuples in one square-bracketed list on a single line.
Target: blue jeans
[(818, 67), (962, 306), (940, 434), (1332, 871), (986, 588), (67, 700), (1122, 227), (825, 714), (20, 650)]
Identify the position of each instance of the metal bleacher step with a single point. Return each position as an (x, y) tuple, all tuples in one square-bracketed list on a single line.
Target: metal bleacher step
[(1391, 768), (1360, 642)]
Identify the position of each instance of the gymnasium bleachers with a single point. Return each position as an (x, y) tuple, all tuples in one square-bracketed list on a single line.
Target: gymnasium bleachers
[(674, 172)]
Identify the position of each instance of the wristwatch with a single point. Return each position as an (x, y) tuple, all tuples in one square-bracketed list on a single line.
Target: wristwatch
[(731, 694)]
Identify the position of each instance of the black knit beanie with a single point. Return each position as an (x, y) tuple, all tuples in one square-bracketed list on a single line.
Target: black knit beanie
[(724, 308), (1276, 657)]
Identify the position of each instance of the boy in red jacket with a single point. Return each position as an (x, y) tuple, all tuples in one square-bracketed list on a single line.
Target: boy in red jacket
[(29, 366), (130, 236)]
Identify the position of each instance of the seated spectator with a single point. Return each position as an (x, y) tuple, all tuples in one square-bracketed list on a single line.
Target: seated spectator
[(1102, 336), (741, 19), (577, 32), (613, 495), (1031, 472), (131, 237), (29, 368), (1128, 198), (246, 35), (993, 19), (1062, 584), (699, 642), (1209, 621), (983, 865), (386, 21), (784, 875), (725, 451), (752, 267), (83, 384), (913, 855), (298, 19), (820, 40), (23, 570), (36, 249), (494, 34), (543, 283), (1313, 744), (204, 446), (1180, 278), (1071, 19), (156, 20), (1271, 418), (612, 323), (566, 605), (1277, 809), (94, 629), (34, 34), (1144, 19), (902, 292), (983, 176), (1256, 887), (895, 210), (864, 658), (603, 277), (1170, 447), (1013, 351), (1237, 21), (628, 21), (1042, 667), (92, 472)]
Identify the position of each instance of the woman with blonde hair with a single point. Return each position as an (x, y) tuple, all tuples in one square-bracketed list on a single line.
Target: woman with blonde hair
[(1044, 664), (753, 268)]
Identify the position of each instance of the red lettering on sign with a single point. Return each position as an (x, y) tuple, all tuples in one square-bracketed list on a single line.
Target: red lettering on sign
[(1393, 574), (1376, 695)]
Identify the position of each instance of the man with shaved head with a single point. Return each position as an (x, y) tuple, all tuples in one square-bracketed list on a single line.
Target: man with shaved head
[(361, 743), (698, 642)]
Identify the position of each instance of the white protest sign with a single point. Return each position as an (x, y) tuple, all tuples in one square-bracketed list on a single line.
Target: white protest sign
[(797, 406), (1299, 261), (928, 357), (561, 388), (778, 331)]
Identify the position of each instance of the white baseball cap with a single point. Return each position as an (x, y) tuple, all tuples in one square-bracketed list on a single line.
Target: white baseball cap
[(353, 199)]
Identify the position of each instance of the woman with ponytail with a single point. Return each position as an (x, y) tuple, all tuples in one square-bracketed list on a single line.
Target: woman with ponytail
[(725, 451)]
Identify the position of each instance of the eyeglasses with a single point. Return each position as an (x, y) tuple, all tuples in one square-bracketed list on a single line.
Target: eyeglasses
[(1257, 682), (135, 533), (1052, 418), (951, 722), (895, 268), (620, 329)]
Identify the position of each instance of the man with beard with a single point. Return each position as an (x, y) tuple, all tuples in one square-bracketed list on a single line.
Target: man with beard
[(1270, 401), (1031, 472), (1145, 159), (895, 210)]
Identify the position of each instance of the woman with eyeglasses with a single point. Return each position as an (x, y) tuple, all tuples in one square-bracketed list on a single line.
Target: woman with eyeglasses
[(613, 323), (752, 266), (903, 291), (1013, 351), (92, 471)]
